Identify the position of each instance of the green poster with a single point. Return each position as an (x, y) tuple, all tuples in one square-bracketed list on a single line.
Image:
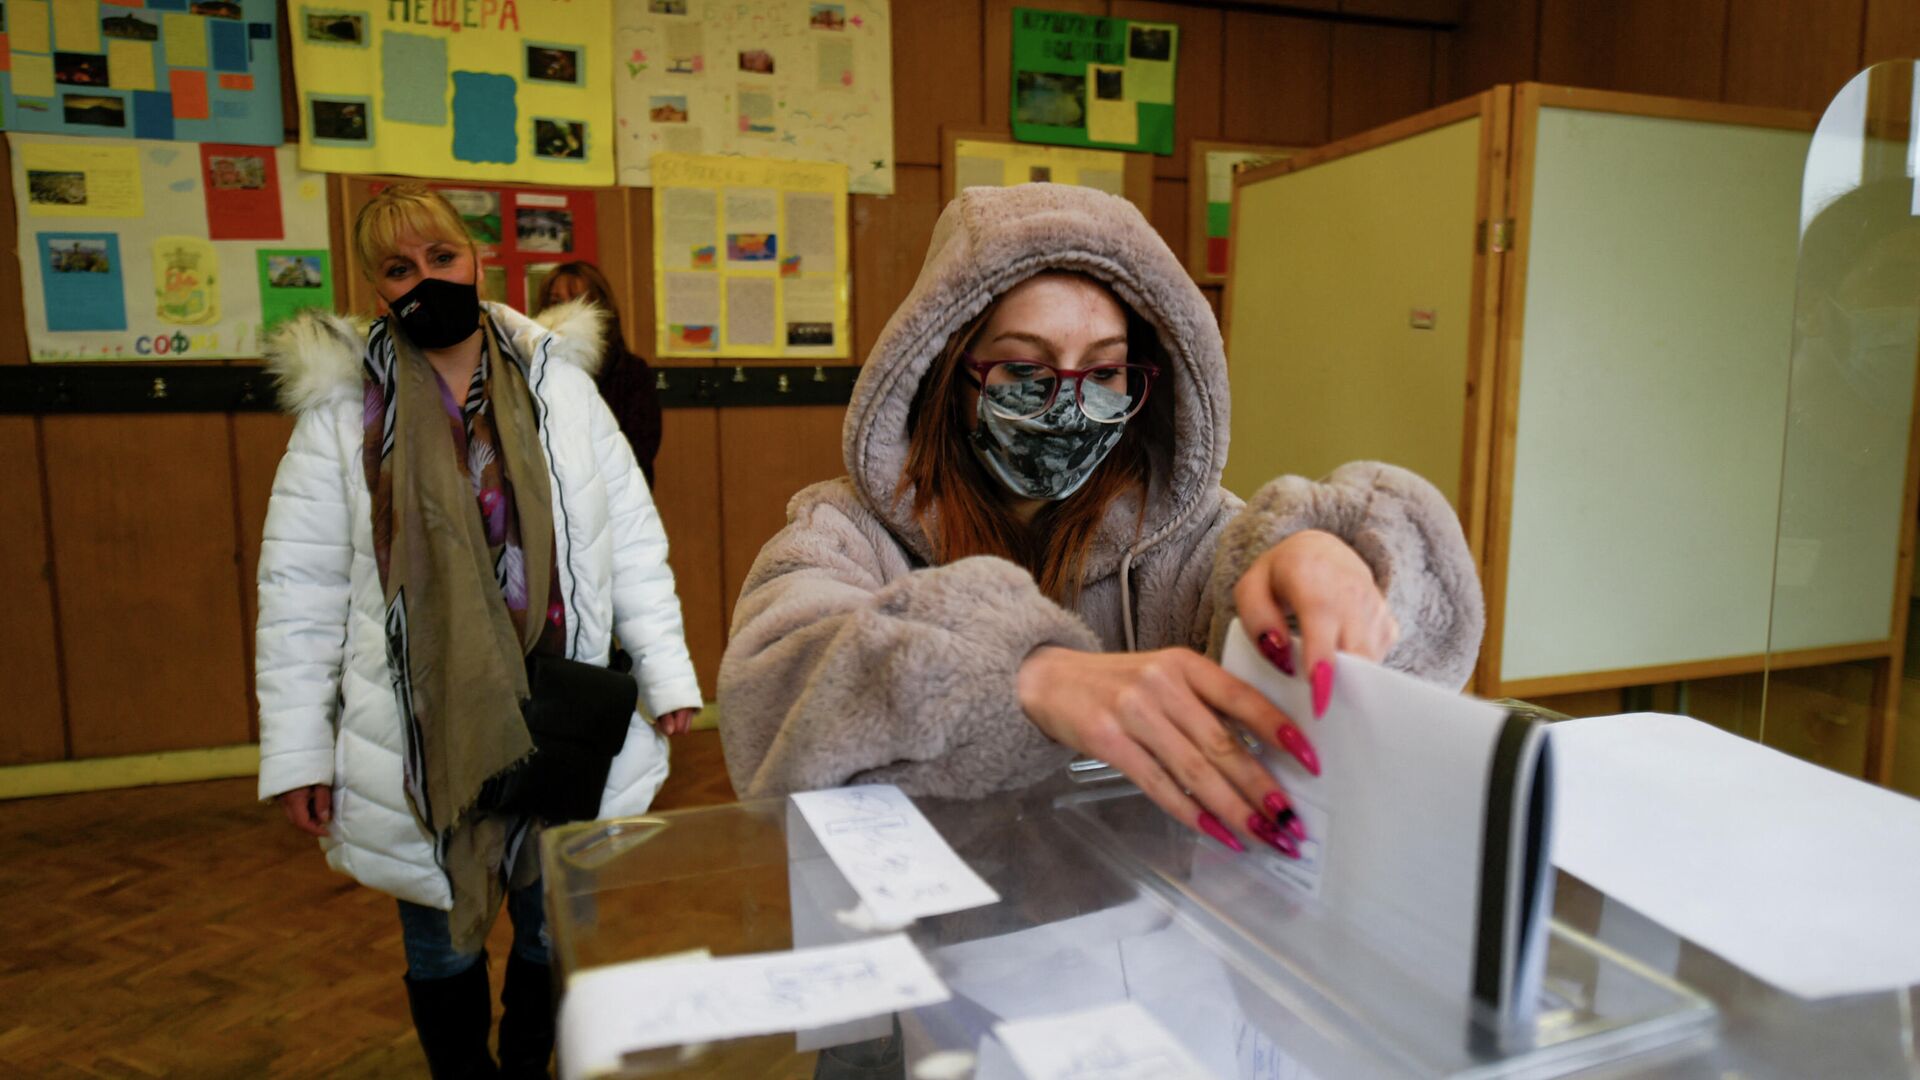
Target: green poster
[(1088, 80), (292, 279)]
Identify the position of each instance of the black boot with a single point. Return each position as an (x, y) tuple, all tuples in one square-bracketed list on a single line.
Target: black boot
[(452, 1016), (526, 1020)]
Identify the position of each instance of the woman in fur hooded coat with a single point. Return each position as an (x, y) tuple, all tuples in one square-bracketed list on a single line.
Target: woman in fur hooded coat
[(1032, 555), (455, 499)]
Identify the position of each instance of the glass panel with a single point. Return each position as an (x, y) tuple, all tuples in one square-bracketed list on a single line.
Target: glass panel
[(1842, 562)]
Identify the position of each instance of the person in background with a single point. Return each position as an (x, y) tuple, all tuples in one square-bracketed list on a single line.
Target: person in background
[(1032, 556), (625, 381), (456, 513)]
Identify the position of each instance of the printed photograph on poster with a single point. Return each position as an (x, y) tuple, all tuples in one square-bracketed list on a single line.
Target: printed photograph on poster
[(80, 69), (79, 256), (560, 139), (543, 230), (130, 27), (247, 173), (294, 271), (1149, 43), (553, 63), (752, 247), (1053, 100), (336, 27), (186, 275), (219, 9), (49, 188), (94, 110), (339, 120), (292, 280), (797, 81), (479, 211)]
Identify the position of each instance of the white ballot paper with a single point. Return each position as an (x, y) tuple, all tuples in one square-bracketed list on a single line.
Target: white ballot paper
[(893, 857), (1121, 1041), (1428, 825), (1803, 877), (623, 1008)]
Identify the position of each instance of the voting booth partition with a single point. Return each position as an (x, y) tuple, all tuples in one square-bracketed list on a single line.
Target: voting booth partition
[(1579, 323)]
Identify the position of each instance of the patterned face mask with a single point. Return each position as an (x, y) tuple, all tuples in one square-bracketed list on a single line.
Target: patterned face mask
[(1049, 456)]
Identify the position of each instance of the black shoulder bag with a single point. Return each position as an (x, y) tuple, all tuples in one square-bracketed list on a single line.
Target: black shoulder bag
[(577, 715)]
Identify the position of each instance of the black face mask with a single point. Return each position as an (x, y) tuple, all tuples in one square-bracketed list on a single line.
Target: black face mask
[(438, 313)]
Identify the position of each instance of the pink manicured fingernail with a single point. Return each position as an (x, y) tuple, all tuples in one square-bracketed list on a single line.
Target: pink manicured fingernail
[(1291, 822), (1294, 742), (1322, 688), (1212, 827), (1278, 650), (1276, 803), (1275, 839)]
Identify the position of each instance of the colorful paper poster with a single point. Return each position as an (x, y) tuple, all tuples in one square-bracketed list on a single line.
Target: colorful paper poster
[(523, 233), (188, 70), (1089, 80), (750, 258), (797, 80), (1210, 264), (985, 163), (124, 255), (490, 90)]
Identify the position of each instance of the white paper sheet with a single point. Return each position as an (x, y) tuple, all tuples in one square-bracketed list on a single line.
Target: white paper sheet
[(891, 855), (615, 1010), (1803, 877), (1110, 1042)]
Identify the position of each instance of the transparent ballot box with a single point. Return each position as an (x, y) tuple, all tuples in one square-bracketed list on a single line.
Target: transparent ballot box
[(1103, 900)]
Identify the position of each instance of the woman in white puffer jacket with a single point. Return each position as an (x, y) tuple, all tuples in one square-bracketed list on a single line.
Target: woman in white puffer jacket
[(397, 599)]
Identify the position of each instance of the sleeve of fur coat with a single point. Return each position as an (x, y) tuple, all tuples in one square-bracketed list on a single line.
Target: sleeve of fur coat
[(1405, 530), (835, 676)]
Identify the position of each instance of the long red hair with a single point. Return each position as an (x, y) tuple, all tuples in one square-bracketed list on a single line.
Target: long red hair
[(964, 511)]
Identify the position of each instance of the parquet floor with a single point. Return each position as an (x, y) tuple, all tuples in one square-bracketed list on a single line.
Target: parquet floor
[(189, 931)]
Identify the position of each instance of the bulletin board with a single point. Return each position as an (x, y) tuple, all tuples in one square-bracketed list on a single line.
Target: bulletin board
[(514, 91), (1210, 204), (522, 234), (1091, 80), (794, 80), (986, 157), (750, 258), (140, 250), (207, 71)]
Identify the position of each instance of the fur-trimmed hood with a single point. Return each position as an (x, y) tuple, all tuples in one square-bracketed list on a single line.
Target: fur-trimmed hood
[(315, 356), (987, 241)]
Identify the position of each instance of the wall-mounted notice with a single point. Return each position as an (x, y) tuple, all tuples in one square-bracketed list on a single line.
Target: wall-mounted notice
[(502, 90), (749, 257), (986, 163), (143, 250), (1089, 80), (1210, 213), (523, 233), (147, 69), (798, 80)]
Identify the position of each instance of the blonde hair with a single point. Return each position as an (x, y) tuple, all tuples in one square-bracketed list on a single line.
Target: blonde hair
[(400, 210)]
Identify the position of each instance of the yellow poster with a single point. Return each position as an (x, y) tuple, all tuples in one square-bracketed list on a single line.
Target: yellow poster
[(70, 180), (76, 26), (983, 163), (750, 257), (131, 63), (186, 281), (504, 90)]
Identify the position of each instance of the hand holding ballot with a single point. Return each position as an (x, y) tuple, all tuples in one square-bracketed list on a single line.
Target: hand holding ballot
[(1163, 718)]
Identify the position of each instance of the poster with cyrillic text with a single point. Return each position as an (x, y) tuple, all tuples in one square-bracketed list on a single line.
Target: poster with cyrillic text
[(139, 250), (750, 257)]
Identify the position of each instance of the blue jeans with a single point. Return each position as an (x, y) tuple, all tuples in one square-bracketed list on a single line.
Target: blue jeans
[(428, 939)]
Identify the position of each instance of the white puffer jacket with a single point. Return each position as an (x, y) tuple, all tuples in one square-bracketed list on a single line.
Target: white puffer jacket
[(327, 709)]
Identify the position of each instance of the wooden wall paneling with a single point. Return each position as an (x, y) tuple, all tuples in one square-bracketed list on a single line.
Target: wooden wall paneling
[(1671, 47), (1170, 212), (997, 38), (618, 258), (687, 494), (259, 442), (1380, 74), (1892, 31), (144, 546), (13, 312), (766, 456), (638, 317), (889, 240), (1276, 74), (938, 64), (1447, 12), (289, 95), (1792, 53), (35, 729), (1197, 87), (1496, 42)]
